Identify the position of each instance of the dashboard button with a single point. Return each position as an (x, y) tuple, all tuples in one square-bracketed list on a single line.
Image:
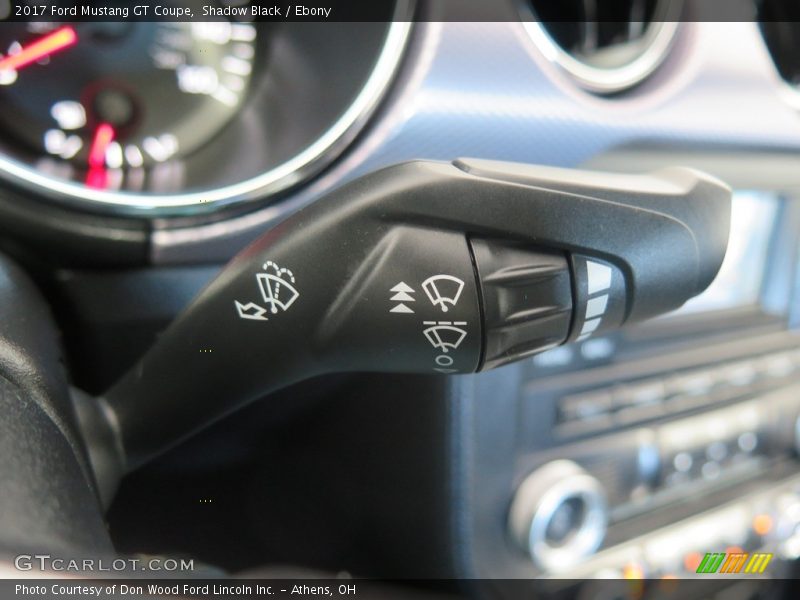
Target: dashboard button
[(778, 366), (640, 394), (710, 470), (717, 451), (585, 406), (682, 462), (747, 441), (697, 383), (739, 374)]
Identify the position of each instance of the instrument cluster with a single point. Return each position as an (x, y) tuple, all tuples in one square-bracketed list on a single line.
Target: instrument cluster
[(164, 117)]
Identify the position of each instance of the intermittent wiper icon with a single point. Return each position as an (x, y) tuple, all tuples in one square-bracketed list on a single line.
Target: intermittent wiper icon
[(443, 290), (445, 335)]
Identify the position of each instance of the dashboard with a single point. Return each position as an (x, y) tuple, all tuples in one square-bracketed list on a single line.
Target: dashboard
[(135, 160), (212, 202)]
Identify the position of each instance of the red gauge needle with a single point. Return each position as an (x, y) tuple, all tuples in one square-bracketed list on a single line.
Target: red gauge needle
[(53, 42), (103, 136)]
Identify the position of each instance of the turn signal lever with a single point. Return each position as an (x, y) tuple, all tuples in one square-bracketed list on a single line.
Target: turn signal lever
[(426, 268)]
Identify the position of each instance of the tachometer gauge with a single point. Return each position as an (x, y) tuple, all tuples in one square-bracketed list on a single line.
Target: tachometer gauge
[(107, 99)]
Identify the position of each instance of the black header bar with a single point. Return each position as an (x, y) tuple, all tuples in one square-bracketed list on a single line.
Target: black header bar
[(275, 11)]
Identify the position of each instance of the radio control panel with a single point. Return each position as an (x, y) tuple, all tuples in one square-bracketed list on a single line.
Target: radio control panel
[(753, 535), (629, 451)]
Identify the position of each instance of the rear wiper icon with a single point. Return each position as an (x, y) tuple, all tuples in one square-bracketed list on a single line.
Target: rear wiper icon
[(443, 290)]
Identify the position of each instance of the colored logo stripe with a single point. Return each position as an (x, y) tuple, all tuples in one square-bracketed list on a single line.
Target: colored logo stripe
[(758, 563), (711, 562), (732, 563), (741, 562)]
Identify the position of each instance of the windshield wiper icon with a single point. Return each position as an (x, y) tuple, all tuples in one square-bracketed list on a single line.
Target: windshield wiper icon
[(276, 287), (443, 290), (444, 335)]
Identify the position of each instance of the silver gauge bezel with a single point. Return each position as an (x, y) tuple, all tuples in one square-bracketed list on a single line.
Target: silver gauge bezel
[(653, 48)]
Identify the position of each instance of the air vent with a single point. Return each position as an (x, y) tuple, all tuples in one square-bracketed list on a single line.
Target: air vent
[(606, 45), (780, 25)]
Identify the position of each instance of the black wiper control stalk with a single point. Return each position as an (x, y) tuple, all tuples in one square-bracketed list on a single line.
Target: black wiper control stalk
[(427, 268)]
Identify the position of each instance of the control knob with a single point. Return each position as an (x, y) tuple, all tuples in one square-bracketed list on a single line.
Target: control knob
[(559, 515)]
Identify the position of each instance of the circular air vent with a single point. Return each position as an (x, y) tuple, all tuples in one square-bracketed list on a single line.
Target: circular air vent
[(606, 46), (780, 25)]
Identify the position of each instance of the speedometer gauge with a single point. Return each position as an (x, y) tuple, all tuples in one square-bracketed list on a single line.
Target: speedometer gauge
[(107, 98)]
